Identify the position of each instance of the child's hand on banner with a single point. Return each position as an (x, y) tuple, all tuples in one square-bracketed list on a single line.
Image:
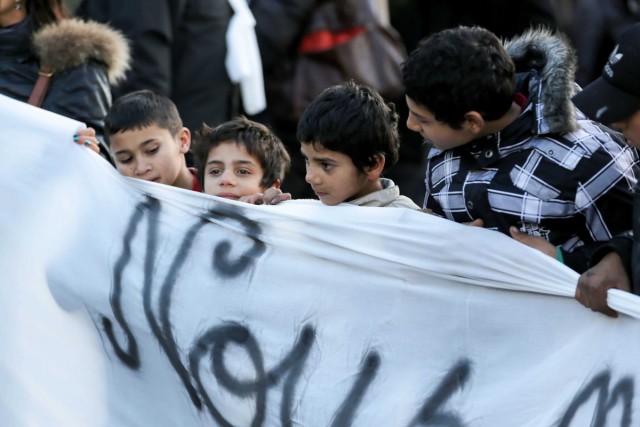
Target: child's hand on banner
[(88, 138)]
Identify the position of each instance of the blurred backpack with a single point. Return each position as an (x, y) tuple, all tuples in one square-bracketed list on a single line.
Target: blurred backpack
[(343, 40)]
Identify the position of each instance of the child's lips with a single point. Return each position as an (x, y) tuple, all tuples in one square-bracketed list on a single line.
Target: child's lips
[(228, 196)]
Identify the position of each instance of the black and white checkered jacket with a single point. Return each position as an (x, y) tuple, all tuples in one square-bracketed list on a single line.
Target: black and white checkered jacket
[(552, 172)]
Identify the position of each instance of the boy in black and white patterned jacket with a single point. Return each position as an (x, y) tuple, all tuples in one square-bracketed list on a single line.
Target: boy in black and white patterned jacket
[(509, 148)]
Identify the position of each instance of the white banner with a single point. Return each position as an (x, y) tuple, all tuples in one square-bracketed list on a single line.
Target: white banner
[(127, 303)]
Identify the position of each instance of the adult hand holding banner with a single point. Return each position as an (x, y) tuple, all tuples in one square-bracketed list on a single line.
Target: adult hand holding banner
[(128, 303)]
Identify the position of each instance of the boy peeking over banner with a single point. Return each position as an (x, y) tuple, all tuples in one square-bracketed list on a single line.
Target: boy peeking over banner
[(507, 147), (348, 137), (145, 134), (239, 160)]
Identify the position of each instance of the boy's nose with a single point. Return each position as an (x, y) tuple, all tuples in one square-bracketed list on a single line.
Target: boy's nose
[(227, 178), (412, 125), (310, 176), (142, 167)]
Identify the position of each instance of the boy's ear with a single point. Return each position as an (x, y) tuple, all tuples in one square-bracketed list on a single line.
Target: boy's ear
[(474, 122), (374, 171), (184, 138), (276, 184)]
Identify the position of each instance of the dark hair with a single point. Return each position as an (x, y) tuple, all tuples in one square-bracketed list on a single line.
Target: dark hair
[(43, 12), (140, 109), (257, 138), (352, 119), (460, 70)]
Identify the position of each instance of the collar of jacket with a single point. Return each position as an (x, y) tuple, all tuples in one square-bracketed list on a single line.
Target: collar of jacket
[(90, 41)]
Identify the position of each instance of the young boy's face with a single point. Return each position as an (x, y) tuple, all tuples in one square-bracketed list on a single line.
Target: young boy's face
[(333, 176), (151, 153), (231, 172), (434, 132), (630, 128)]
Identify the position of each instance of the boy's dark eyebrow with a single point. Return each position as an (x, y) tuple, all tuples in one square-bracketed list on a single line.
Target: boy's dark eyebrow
[(416, 114), (319, 159), (148, 141), (324, 159), (241, 162)]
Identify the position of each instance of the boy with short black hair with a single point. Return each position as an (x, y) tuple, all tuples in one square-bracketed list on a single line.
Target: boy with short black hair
[(507, 147), (348, 137), (239, 160), (148, 141)]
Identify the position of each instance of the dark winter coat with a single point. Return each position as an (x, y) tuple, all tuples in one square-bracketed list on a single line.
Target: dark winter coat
[(84, 57)]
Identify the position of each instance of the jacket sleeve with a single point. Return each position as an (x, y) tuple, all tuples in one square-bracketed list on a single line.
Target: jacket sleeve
[(603, 197), (82, 93), (587, 256), (621, 245)]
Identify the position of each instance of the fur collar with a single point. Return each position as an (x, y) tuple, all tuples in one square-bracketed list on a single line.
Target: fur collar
[(554, 59), (71, 42)]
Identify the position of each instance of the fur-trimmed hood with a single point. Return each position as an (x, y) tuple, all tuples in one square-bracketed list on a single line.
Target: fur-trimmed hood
[(71, 42), (553, 57)]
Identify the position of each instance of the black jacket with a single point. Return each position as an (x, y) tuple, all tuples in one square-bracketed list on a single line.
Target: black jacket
[(85, 58), (178, 49)]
